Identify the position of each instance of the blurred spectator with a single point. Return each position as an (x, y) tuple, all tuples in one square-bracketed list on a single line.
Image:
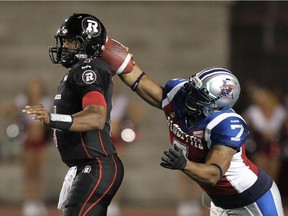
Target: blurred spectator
[(266, 118), (35, 138), (125, 116)]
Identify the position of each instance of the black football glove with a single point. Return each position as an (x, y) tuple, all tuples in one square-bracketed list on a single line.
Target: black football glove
[(174, 159)]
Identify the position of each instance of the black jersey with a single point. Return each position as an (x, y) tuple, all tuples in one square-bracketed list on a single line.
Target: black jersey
[(85, 76)]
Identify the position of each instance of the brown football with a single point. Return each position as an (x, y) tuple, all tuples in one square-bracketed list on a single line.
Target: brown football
[(118, 57)]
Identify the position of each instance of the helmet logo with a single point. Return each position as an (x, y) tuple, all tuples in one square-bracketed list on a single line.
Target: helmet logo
[(89, 76), (91, 27), (62, 30), (227, 90)]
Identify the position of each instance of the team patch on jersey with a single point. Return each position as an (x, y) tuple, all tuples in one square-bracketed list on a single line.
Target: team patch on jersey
[(86, 169), (89, 76)]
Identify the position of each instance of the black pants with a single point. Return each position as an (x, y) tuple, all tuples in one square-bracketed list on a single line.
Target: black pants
[(96, 183)]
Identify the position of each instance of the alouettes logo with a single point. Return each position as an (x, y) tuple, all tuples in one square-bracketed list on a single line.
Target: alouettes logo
[(227, 90), (89, 76), (91, 27)]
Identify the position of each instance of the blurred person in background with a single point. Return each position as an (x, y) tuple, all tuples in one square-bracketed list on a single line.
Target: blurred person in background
[(208, 140), (81, 118), (126, 115), (268, 121), (36, 137), (266, 117)]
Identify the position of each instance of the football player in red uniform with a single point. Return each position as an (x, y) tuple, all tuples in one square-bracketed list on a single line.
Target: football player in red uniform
[(81, 121), (208, 138)]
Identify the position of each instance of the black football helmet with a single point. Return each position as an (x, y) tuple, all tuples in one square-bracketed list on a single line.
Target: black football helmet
[(87, 30)]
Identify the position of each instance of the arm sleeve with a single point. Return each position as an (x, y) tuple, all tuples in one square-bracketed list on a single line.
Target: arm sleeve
[(93, 97)]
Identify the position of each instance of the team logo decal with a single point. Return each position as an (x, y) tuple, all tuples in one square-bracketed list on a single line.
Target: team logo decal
[(62, 30), (91, 27), (89, 76), (227, 90), (57, 97), (86, 169)]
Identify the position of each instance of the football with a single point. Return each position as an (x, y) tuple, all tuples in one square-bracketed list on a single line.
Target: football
[(118, 57)]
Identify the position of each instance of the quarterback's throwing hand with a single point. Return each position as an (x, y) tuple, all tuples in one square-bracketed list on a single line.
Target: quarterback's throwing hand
[(39, 113), (174, 159)]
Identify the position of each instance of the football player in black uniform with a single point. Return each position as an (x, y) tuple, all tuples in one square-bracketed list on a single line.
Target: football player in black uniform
[(82, 118)]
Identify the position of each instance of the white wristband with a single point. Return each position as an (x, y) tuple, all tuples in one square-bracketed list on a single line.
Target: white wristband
[(60, 121), (60, 117)]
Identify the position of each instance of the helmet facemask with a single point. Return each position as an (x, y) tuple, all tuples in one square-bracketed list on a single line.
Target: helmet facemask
[(67, 56), (196, 101)]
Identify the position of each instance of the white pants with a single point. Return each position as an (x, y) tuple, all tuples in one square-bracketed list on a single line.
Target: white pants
[(66, 186), (272, 198)]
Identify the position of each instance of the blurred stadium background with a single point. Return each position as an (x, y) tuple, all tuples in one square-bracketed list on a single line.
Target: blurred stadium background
[(168, 39)]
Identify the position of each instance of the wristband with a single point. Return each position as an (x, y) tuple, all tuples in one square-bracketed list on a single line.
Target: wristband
[(136, 83), (219, 168), (60, 121)]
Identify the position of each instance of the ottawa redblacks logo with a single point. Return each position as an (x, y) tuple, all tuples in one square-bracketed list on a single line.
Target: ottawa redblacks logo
[(89, 76), (91, 27)]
